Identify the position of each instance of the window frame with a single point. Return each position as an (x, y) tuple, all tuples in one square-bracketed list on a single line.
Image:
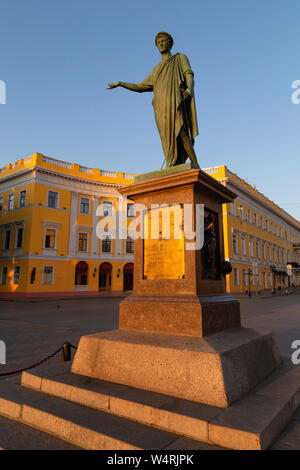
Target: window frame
[(87, 242), (16, 241), (2, 270), (235, 244), (129, 206), (55, 238), (7, 248), (104, 239), (48, 195), (110, 204), (89, 205), (52, 277), (19, 274), (20, 198), (236, 276), (9, 200), (130, 241)]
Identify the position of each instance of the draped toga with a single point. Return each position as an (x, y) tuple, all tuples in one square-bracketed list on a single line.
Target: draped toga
[(167, 80)]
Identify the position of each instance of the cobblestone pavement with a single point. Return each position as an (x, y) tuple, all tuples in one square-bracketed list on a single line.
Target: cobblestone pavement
[(33, 329)]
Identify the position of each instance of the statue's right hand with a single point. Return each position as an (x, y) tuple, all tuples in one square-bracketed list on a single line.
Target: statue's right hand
[(113, 85)]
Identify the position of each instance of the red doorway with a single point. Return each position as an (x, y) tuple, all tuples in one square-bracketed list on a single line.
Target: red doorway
[(128, 276), (105, 270)]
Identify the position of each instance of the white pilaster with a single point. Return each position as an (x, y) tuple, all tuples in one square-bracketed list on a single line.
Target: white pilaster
[(73, 222)]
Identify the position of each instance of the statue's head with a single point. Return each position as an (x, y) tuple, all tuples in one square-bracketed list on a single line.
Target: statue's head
[(166, 36)]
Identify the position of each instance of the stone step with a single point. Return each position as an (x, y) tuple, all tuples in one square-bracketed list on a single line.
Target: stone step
[(82, 426), (172, 414), (251, 423), (18, 436)]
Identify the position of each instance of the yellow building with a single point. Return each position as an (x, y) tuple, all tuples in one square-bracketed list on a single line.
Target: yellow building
[(48, 245), (261, 239)]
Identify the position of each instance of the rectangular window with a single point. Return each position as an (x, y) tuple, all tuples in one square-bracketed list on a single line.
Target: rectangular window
[(20, 232), (263, 252), (257, 251), (17, 270), (7, 240), (50, 238), (106, 244), (11, 201), (255, 219), (82, 241), (251, 247), (4, 276), (48, 275), (244, 277), (241, 212), (267, 225), (261, 222), (234, 243), (107, 209), (22, 199), (53, 199), (249, 216), (233, 208), (243, 246), (1, 204), (236, 276), (84, 205), (265, 280), (129, 245), (130, 210)]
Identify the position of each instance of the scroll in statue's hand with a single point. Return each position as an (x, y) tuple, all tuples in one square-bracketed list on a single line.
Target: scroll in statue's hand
[(187, 94)]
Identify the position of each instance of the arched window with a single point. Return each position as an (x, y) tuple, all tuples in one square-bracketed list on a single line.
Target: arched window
[(81, 274)]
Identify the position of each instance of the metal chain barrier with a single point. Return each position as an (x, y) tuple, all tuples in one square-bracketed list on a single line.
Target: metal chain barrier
[(66, 356)]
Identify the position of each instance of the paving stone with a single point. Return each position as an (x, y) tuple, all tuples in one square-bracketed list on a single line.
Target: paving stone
[(17, 436)]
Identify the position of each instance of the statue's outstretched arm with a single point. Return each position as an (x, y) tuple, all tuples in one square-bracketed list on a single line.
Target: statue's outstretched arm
[(128, 86)]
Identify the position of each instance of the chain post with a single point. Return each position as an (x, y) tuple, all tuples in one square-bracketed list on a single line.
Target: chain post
[(66, 352)]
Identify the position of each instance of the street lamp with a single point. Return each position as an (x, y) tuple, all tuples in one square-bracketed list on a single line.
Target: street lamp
[(249, 274)]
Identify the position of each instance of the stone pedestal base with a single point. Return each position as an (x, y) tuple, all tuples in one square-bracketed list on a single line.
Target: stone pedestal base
[(185, 315), (215, 370)]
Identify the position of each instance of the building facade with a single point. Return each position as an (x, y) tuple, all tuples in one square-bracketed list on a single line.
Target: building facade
[(262, 241), (65, 231), (49, 245)]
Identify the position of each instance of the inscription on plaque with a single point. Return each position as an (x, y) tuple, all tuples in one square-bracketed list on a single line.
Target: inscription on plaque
[(164, 243)]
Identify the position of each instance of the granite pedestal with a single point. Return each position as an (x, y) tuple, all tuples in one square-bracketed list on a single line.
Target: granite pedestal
[(179, 332)]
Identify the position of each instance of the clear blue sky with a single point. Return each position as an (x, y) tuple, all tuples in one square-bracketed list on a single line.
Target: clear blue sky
[(57, 57)]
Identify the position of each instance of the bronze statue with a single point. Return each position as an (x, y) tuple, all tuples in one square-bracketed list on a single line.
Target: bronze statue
[(172, 82), (209, 249)]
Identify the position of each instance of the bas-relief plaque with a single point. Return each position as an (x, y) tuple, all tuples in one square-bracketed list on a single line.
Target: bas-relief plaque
[(164, 243), (210, 253)]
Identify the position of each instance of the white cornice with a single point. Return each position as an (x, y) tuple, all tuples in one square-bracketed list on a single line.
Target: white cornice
[(46, 177), (258, 204)]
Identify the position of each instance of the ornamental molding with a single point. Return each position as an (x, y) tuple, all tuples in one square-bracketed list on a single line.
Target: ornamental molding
[(258, 204), (46, 177)]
